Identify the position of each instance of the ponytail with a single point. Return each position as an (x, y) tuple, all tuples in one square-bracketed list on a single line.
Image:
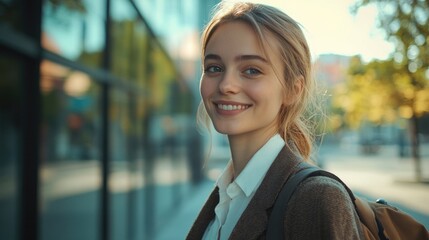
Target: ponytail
[(299, 136)]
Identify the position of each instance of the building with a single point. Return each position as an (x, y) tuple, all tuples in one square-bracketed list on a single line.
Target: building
[(331, 69), (96, 117)]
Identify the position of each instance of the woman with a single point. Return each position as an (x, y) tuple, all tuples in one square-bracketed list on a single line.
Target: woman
[(255, 87)]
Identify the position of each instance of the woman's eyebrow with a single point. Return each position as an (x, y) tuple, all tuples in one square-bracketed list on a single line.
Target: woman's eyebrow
[(212, 56), (237, 58), (250, 57)]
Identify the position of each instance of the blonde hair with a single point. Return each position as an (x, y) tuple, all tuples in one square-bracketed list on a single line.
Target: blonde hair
[(293, 126)]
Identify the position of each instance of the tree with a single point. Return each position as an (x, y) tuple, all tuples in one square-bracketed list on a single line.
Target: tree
[(378, 92), (405, 23), (368, 94)]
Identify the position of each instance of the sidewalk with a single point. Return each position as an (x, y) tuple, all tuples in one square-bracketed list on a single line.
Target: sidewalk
[(383, 175), (181, 222)]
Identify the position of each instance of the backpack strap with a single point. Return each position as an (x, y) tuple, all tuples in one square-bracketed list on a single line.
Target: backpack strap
[(275, 228)]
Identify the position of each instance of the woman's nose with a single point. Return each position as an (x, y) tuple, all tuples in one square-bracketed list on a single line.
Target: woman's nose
[(229, 84)]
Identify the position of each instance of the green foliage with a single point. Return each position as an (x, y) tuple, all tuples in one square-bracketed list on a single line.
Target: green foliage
[(406, 24), (378, 92), (382, 91)]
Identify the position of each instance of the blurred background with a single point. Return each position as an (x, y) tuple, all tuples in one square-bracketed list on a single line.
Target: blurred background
[(98, 101)]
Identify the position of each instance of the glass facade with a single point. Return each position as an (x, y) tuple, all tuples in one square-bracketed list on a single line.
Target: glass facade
[(69, 153), (97, 134), (75, 30), (11, 14), (12, 68)]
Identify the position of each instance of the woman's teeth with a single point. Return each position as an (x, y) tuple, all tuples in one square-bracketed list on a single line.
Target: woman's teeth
[(230, 107)]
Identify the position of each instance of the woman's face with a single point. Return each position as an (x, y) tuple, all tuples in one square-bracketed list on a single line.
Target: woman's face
[(239, 87)]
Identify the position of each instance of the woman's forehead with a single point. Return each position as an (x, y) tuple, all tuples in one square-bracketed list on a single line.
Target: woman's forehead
[(238, 35)]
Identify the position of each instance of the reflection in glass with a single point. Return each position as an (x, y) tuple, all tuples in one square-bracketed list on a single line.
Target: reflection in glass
[(126, 165), (74, 31), (130, 43), (11, 69), (11, 13), (172, 20), (120, 156), (70, 165)]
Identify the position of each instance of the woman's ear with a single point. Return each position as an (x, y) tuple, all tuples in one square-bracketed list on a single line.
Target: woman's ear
[(295, 92)]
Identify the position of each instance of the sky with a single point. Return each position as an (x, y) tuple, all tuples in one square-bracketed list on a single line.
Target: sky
[(330, 27)]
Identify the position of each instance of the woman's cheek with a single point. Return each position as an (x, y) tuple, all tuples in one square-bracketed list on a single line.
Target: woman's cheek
[(206, 89)]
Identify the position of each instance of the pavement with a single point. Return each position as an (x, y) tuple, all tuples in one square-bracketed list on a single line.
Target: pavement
[(381, 175), (180, 223)]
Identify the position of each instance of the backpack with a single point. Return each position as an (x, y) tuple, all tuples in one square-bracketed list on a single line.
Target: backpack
[(379, 221)]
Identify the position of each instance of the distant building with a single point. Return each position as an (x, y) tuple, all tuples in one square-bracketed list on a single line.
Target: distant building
[(331, 69)]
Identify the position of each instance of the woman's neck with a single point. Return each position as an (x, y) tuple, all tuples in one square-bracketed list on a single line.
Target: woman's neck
[(243, 148)]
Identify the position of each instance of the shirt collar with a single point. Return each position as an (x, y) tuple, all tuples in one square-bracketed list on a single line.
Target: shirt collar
[(225, 178), (253, 173)]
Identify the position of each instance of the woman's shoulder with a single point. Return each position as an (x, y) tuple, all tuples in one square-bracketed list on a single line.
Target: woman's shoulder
[(322, 184), (323, 192), (321, 206)]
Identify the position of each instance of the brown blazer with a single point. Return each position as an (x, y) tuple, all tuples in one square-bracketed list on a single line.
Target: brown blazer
[(319, 209)]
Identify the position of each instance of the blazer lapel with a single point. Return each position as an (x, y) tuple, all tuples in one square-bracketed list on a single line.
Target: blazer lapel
[(253, 221), (205, 216)]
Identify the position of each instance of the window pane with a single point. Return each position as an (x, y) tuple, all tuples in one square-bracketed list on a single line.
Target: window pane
[(75, 30), (11, 13), (168, 128), (120, 158), (10, 142), (129, 43), (70, 167)]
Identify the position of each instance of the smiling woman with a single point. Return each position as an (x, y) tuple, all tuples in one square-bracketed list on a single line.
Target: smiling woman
[(256, 88), (240, 89)]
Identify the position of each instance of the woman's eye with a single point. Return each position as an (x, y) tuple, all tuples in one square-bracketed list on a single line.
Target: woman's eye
[(252, 71), (213, 69)]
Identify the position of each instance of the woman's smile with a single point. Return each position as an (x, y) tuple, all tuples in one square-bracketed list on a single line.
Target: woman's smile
[(230, 108)]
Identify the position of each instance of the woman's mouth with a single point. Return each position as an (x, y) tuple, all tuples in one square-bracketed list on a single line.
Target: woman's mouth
[(232, 107)]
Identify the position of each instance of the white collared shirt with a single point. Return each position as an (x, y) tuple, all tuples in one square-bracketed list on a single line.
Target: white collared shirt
[(235, 196)]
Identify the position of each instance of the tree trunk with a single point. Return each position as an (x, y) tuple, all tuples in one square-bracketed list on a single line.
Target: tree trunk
[(415, 144)]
